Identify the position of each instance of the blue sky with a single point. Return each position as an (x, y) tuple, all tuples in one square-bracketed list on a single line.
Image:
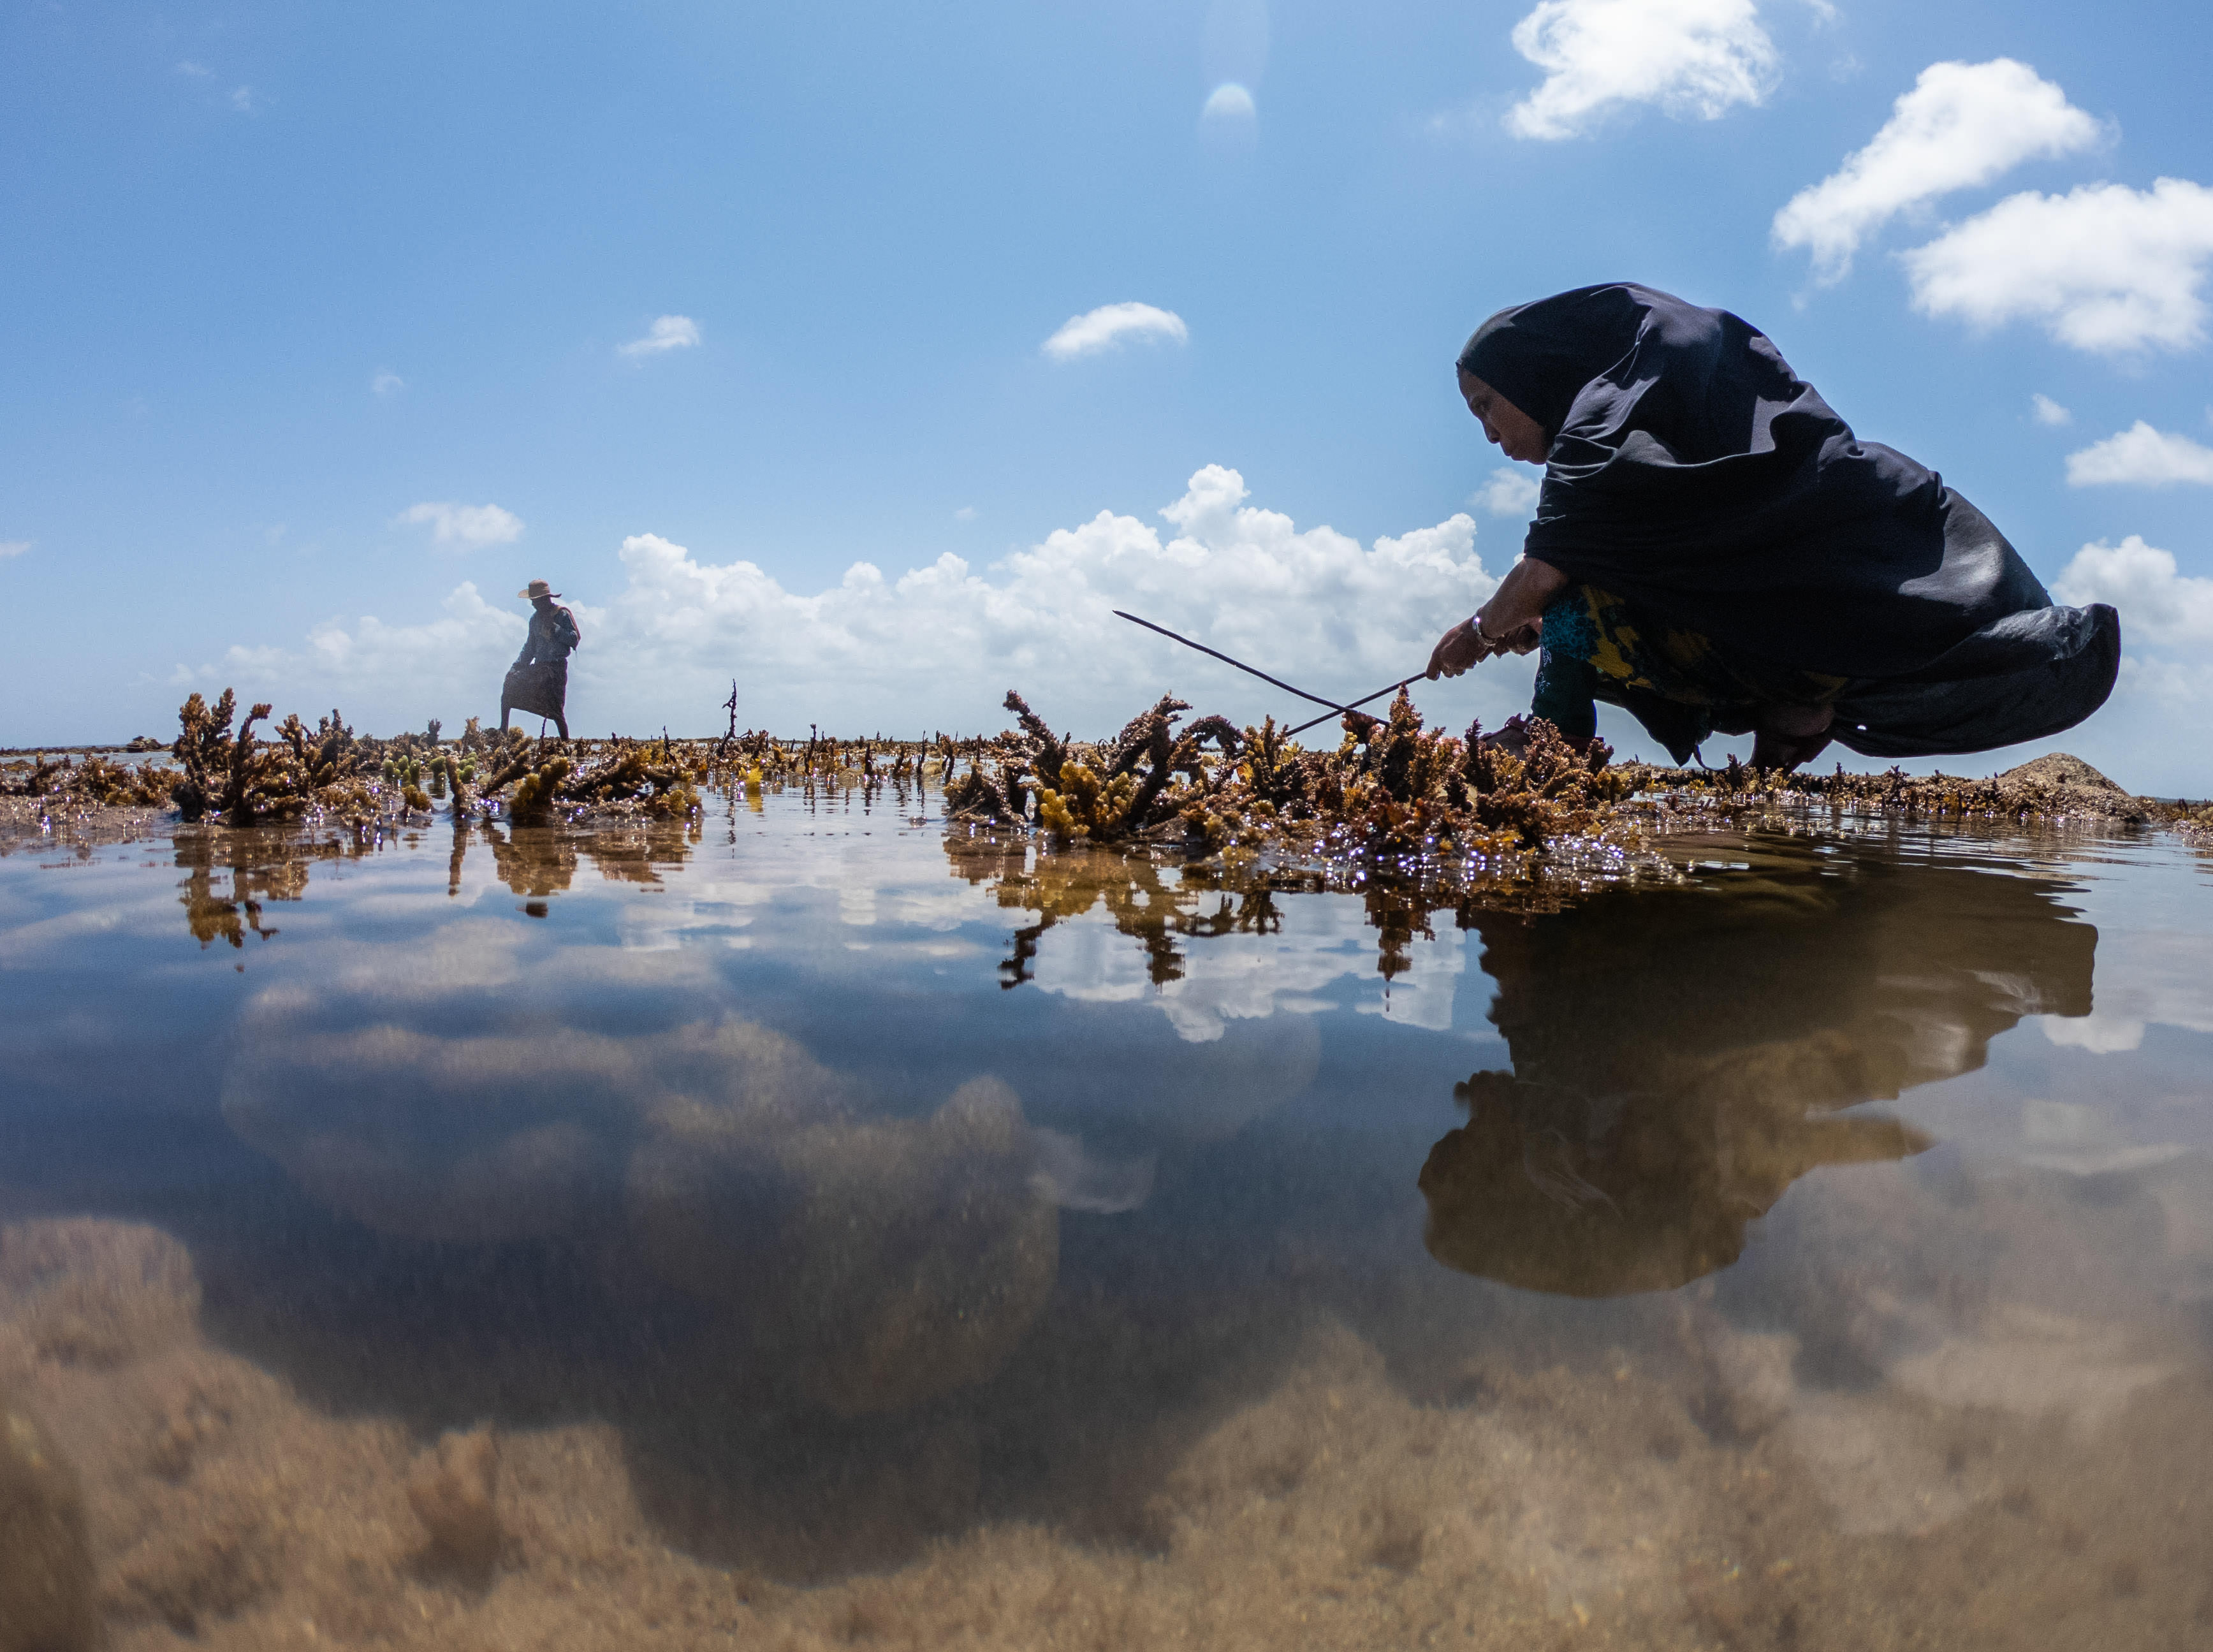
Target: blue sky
[(313, 329)]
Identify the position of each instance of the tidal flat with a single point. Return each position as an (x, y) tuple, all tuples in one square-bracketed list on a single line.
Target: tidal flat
[(803, 1223)]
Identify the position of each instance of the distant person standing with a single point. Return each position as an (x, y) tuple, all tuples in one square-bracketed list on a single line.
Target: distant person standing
[(538, 682)]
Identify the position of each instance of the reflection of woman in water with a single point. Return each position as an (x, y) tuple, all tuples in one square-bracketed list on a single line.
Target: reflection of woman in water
[(1715, 550), (1681, 1058)]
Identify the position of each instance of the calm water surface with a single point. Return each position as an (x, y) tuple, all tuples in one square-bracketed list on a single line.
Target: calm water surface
[(805, 1229)]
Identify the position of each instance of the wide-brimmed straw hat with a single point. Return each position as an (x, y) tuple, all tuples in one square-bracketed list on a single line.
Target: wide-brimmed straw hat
[(536, 589)]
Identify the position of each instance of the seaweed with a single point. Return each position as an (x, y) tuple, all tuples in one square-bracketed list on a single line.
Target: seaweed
[(1392, 788), (1174, 832), (536, 792), (2052, 788), (261, 867)]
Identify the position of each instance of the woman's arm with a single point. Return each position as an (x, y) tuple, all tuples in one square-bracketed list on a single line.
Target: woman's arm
[(1510, 623)]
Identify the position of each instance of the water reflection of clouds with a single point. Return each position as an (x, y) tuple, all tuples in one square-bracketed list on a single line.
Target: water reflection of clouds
[(868, 1261), (1234, 978), (2162, 977)]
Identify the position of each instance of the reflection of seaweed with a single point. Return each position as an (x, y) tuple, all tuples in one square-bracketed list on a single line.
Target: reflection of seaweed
[(1161, 904), (534, 862), (1136, 897), (261, 870), (539, 861)]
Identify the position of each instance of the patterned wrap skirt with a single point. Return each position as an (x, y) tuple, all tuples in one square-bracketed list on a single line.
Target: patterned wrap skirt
[(1681, 685), (541, 690)]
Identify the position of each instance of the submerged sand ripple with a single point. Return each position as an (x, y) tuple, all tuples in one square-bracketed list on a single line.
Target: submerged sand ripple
[(1617, 1503)]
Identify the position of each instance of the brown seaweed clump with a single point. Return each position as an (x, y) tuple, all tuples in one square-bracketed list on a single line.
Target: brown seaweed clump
[(1391, 787), (96, 782), (243, 781)]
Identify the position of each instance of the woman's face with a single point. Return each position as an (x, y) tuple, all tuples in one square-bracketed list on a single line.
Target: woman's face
[(1516, 435)]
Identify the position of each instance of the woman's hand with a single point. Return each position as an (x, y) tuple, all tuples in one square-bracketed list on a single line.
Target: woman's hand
[(1457, 649), (1525, 638), (1510, 623)]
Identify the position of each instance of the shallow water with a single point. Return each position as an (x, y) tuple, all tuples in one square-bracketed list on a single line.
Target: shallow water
[(809, 1229)]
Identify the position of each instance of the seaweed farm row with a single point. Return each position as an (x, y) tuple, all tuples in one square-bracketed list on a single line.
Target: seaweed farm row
[(1389, 791)]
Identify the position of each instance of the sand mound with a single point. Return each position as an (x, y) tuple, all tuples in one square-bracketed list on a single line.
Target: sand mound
[(2057, 769)]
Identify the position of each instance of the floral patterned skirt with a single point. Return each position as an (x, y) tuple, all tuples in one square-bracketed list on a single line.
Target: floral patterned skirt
[(1681, 685)]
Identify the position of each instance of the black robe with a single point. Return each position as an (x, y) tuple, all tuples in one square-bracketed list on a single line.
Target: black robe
[(1693, 473)]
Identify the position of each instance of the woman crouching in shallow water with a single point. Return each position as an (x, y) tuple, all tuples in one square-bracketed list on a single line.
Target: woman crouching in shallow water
[(1714, 550)]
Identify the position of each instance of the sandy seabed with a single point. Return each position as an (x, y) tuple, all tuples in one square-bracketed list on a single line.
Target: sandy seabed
[(1697, 1496)]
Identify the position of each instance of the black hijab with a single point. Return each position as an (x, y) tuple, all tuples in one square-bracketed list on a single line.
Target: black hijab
[(1694, 473)]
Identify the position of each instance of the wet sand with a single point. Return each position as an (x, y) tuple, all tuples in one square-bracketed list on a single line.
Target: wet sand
[(1313, 1470)]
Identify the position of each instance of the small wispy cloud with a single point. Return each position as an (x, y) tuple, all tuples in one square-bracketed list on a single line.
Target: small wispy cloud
[(9, 548), (1228, 102), (386, 383), (2142, 455), (196, 70), (1509, 492), (1107, 327), (668, 333), (463, 528), (2049, 411), (966, 514), (241, 98)]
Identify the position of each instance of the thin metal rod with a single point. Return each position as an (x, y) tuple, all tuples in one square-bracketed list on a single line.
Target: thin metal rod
[(1362, 700), (1335, 709), (1227, 660)]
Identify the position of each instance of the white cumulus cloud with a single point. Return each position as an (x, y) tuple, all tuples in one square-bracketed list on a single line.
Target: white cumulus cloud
[(2049, 411), (13, 548), (668, 333), (939, 644), (463, 528), (2158, 604), (1109, 326), (1690, 57), (381, 670), (1962, 125), (1509, 492), (2141, 454), (2104, 268)]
